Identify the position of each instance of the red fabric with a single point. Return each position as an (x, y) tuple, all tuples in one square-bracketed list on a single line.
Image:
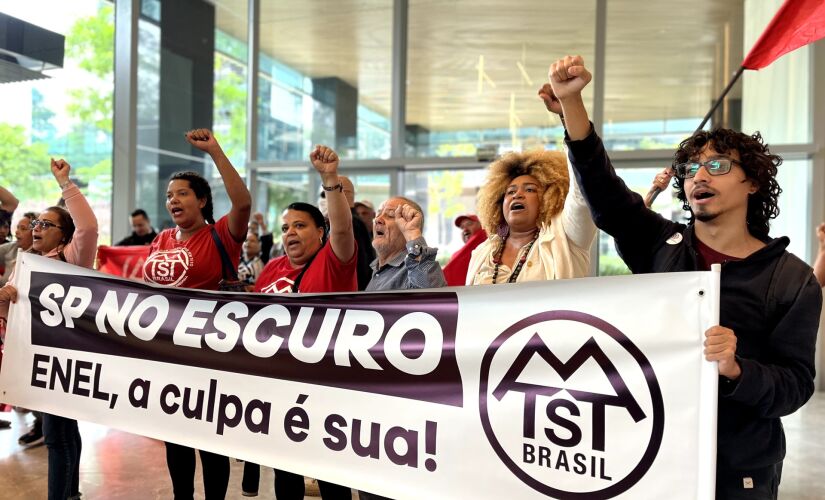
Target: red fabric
[(194, 263), (708, 256), (122, 261), (796, 23), (455, 272), (325, 274)]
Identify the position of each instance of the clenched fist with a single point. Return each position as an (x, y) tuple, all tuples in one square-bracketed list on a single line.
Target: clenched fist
[(568, 77), (203, 139)]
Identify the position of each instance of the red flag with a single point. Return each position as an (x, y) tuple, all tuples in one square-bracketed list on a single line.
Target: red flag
[(797, 23), (122, 261)]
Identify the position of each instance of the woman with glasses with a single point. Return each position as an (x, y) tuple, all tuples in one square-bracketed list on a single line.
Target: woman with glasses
[(314, 263), (69, 235)]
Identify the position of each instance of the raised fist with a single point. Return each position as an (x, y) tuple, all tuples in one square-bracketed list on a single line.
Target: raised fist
[(409, 221), (60, 170), (324, 159), (550, 101), (202, 139), (568, 77)]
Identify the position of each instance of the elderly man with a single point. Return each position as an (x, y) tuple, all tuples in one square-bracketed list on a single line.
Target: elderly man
[(404, 260)]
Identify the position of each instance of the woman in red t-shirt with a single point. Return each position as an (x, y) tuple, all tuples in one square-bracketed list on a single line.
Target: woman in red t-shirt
[(187, 256), (321, 267), (312, 264)]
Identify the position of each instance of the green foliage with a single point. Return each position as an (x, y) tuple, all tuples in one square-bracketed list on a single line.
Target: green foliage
[(90, 46), (90, 41), (444, 189), (230, 109), (612, 265), (25, 167)]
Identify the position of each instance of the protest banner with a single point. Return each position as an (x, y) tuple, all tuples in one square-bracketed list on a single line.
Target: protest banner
[(585, 388)]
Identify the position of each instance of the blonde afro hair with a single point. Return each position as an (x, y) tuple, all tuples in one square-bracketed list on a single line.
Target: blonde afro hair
[(548, 167)]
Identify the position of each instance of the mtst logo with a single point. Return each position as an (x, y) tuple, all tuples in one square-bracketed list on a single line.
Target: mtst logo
[(571, 405)]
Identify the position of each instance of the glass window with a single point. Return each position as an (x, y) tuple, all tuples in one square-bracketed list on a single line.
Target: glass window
[(665, 64), (794, 219), (184, 85), (475, 68), (276, 190), (666, 204), (373, 187), (66, 114), (325, 78), (785, 84), (444, 195)]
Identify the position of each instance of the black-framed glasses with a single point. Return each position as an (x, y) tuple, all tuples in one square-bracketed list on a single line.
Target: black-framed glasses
[(44, 224), (718, 166)]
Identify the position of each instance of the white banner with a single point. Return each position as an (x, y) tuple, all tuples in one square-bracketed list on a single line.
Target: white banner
[(588, 388)]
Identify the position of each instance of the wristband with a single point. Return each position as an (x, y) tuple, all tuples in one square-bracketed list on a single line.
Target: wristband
[(338, 187)]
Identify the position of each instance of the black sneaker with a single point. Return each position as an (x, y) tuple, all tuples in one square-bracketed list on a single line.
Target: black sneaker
[(32, 438)]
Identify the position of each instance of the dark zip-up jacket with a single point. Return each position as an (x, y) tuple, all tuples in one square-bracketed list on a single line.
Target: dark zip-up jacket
[(770, 300)]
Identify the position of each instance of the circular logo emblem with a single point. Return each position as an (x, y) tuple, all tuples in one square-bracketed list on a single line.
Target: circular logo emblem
[(168, 267), (570, 405), (675, 239)]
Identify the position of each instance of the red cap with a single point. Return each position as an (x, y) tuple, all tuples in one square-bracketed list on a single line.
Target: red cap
[(461, 218)]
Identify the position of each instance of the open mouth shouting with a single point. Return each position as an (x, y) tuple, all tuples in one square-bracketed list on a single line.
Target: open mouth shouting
[(702, 195), (517, 206)]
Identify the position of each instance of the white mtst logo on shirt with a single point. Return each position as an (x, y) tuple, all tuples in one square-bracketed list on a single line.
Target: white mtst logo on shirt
[(168, 267), (281, 285)]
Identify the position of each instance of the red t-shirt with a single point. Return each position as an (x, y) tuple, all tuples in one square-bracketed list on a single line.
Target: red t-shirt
[(455, 272), (708, 256), (194, 263), (326, 273)]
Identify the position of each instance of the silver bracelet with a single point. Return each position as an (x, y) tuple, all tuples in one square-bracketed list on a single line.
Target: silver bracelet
[(64, 185)]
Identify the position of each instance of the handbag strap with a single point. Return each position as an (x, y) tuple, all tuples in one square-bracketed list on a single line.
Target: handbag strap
[(297, 284), (225, 262)]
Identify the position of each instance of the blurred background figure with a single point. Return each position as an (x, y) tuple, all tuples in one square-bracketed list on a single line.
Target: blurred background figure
[(142, 231), (472, 234)]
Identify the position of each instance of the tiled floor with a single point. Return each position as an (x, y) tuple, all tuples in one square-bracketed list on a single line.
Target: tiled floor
[(116, 465)]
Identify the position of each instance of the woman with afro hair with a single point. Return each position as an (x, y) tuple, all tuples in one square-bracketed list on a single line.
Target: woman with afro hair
[(538, 221)]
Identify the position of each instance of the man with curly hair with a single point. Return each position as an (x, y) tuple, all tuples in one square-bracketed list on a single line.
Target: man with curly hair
[(770, 302)]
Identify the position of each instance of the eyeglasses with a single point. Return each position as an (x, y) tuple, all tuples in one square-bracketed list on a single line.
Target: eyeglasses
[(44, 224), (718, 166)]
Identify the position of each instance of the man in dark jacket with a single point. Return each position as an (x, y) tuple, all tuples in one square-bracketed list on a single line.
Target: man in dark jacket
[(142, 231), (770, 301)]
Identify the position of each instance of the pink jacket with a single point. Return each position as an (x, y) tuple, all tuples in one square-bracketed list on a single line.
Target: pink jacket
[(82, 249)]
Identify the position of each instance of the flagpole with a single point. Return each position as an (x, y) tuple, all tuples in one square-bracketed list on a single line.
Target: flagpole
[(654, 191), (721, 98)]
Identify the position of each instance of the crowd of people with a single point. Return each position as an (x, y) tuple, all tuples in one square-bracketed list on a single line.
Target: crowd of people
[(537, 219)]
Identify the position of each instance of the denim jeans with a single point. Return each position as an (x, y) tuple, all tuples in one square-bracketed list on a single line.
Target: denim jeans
[(63, 443)]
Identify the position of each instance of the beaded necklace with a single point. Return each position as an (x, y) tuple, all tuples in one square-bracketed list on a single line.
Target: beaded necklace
[(521, 261)]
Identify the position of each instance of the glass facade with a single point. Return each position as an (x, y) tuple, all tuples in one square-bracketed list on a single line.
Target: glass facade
[(472, 69), (67, 114), (322, 84)]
